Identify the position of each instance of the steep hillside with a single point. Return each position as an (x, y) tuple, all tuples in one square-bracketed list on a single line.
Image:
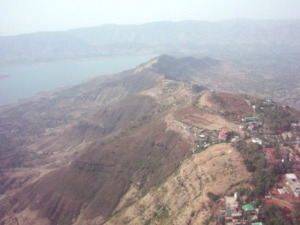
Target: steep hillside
[(123, 148), (225, 76), (182, 199), (94, 183), (80, 148), (46, 117)]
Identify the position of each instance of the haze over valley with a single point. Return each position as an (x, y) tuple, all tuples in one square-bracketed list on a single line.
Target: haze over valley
[(266, 52), (163, 113)]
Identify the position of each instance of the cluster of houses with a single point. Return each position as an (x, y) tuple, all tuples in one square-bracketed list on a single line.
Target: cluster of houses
[(233, 212), (201, 135), (291, 179), (250, 124), (270, 155), (205, 137), (295, 126), (293, 157)]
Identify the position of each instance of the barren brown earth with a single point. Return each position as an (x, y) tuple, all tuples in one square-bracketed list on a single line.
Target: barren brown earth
[(194, 116), (75, 152), (116, 150), (228, 102), (47, 133), (94, 183), (278, 82), (182, 199)]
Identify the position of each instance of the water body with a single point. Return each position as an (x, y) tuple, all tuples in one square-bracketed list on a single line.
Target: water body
[(26, 81)]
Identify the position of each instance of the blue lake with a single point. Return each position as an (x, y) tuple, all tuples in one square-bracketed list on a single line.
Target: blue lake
[(26, 81)]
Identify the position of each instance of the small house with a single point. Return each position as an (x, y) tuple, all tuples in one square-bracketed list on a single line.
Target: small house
[(237, 215), (257, 141), (251, 127), (224, 134), (248, 207), (194, 139), (202, 136), (281, 191), (235, 139), (294, 183), (252, 118)]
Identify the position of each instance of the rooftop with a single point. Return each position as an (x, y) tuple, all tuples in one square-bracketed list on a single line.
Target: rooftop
[(252, 118), (290, 176), (248, 207)]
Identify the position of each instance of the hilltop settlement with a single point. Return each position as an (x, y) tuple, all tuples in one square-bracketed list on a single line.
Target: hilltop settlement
[(268, 140)]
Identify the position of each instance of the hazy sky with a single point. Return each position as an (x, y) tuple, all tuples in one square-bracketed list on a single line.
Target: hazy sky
[(24, 16)]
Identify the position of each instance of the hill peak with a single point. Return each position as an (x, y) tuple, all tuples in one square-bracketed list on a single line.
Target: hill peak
[(182, 68)]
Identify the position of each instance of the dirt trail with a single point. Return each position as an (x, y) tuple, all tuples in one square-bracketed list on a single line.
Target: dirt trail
[(202, 119), (177, 126)]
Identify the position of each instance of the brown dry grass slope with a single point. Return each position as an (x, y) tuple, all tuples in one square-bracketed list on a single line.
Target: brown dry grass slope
[(182, 199)]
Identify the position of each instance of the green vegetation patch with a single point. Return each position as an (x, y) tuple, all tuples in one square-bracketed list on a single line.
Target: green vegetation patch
[(278, 119)]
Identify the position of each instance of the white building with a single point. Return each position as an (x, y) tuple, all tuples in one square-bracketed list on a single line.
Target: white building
[(257, 140), (294, 183)]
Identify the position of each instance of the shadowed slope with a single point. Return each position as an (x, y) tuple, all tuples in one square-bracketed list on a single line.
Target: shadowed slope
[(97, 180)]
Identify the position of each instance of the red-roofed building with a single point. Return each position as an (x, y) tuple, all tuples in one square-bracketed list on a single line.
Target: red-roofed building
[(270, 155), (194, 139), (224, 134), (243, 133), (295, 159)]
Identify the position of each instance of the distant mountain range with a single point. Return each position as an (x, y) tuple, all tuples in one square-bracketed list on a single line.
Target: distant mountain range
[(187, 37)]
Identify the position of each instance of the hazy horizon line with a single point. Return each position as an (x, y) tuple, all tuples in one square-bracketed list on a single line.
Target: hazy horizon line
[(159, 21)]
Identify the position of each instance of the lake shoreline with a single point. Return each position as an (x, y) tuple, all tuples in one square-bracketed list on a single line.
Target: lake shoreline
[(73, 60), (27, 81)]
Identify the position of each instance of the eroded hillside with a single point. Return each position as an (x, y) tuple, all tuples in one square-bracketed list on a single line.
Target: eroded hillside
[(280, 82), (182, 198), (119, 149), (79, 149)]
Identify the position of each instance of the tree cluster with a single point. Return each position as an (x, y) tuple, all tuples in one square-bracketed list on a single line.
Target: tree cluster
[(278, 119)]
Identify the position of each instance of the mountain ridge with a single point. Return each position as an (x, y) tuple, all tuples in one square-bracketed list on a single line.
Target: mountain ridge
[(158, 37), (100, 151)]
